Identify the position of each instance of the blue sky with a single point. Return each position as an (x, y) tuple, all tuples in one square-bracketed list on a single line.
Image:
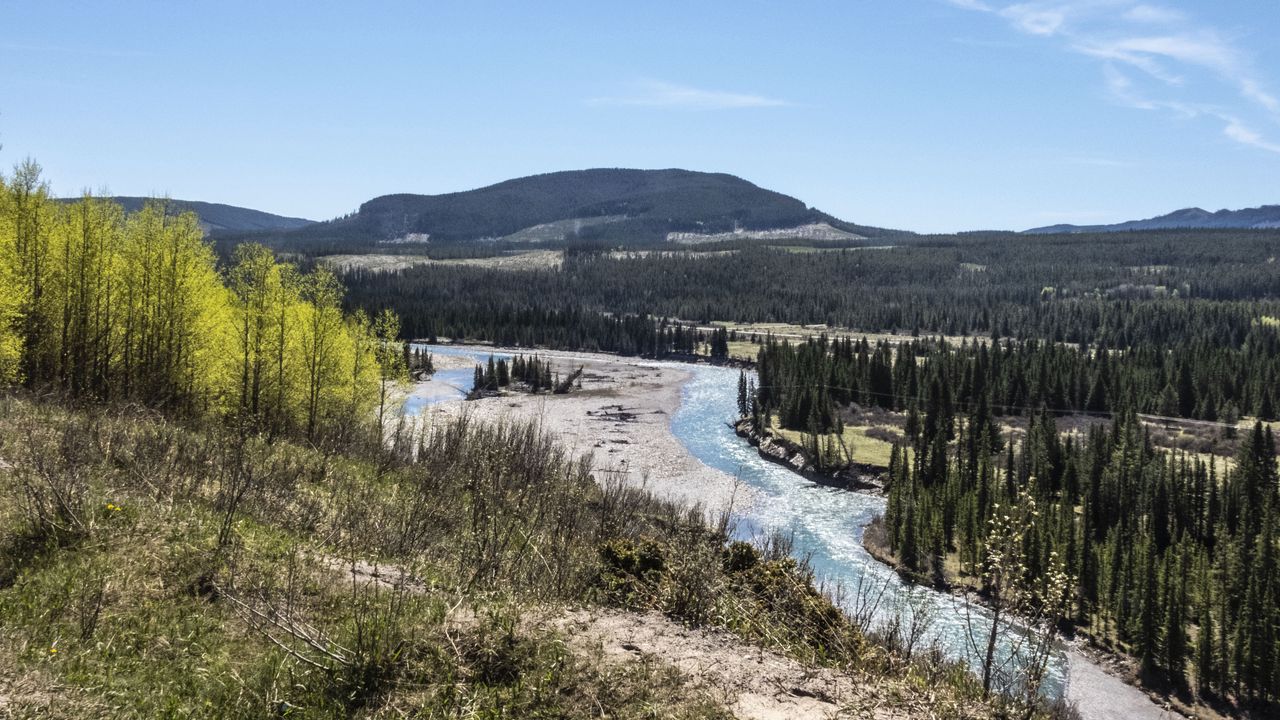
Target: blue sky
[(930, 115)]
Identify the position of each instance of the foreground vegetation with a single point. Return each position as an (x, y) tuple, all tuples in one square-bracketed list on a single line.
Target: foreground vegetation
[(153, 568)]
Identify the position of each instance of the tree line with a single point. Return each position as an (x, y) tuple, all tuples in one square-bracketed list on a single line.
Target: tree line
[(806, 385), (1113, 290)]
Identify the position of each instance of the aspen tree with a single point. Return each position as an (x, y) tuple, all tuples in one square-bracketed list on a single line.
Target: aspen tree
[(13, 291), (390, 353), (30, 211), (319, 341), (250, 279)]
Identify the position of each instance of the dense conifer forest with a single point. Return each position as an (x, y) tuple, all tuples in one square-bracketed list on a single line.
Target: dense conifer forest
[(1116, 289), (805, 384), (1172, 556)]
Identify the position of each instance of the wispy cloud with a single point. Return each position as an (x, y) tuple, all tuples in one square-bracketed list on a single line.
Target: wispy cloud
[(653, 93), (1123, 92), (1036, 18), (1160, 43), (1205, 51), (1233, 128), (1252, 89), (1153, 14), (1237, 131)]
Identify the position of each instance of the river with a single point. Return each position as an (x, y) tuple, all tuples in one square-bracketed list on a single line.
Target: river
[(826, 527)]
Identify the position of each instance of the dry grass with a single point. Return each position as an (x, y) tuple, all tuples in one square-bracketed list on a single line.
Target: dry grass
[(743, 350), (861, 440)]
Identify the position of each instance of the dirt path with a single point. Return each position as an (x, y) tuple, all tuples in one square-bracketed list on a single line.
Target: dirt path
[(752, 682), (763, 685)]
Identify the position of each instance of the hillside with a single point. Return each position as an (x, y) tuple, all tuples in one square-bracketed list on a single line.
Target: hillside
[(217, 218), (615, 206), (1259, 218), (266, 579)]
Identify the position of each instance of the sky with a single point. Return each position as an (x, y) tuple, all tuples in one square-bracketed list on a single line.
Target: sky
[(926, 115)]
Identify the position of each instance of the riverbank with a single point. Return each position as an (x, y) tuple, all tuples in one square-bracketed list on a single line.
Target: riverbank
[(858, 477), (621, 416)]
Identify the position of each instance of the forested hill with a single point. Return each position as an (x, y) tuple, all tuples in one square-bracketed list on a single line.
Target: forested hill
[(616, 206), (217, 218), (1259, 218)]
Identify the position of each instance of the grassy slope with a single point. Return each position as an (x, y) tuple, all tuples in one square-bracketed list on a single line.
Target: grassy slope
[(117, 596), (863, 447)]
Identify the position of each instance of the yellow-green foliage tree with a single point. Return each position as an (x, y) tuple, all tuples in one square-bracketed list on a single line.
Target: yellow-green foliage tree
[(391, 353), (87, 271), (12, 290), (27, 220), (96, 303), (175, 312)]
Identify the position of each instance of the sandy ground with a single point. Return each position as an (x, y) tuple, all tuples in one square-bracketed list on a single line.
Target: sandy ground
[(753, 683), (622, 417), (449, 362)]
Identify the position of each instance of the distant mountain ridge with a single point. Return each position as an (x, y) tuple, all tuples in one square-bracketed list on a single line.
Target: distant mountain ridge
[(604, 205), (217, 218), (1259, 218)]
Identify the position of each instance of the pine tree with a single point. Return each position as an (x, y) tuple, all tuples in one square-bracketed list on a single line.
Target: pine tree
[(1206, 662), (1174, 631)]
